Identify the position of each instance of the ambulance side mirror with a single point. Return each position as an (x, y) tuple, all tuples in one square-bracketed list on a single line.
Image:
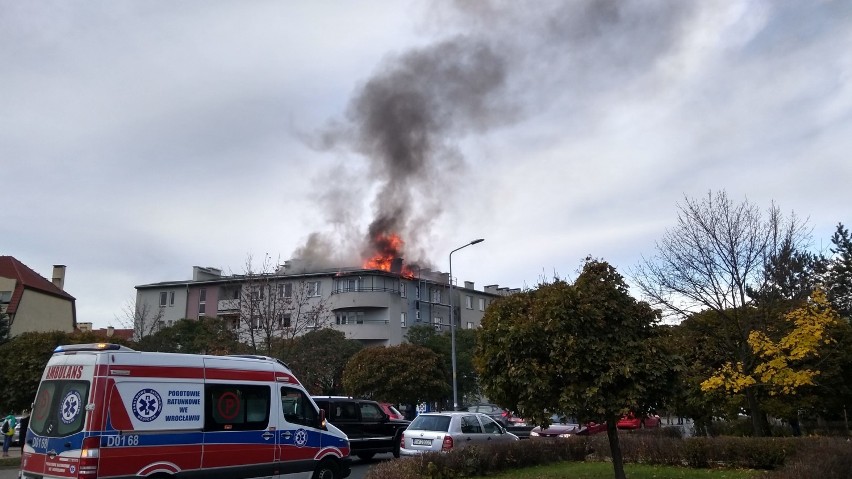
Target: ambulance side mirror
[(322, 418)]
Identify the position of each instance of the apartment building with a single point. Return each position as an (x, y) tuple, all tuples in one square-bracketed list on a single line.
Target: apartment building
[(32, 302), (371, 305)]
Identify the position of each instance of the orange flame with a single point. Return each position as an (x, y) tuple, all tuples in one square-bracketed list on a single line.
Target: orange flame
[(388, 248)]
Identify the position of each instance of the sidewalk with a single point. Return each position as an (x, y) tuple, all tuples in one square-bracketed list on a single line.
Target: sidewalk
[(14, 451)]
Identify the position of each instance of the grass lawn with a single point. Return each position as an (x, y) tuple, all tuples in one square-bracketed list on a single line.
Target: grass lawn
[(603, 470)]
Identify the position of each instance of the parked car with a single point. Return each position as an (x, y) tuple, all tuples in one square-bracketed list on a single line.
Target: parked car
[(369, 429), (493, 411), (561, 426), (633, 421), (444, 431), (391, 411)]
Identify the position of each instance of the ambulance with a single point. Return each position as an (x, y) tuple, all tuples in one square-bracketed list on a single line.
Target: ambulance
[(107, 411)]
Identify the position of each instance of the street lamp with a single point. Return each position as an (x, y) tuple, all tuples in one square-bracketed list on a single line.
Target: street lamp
[(453, 326)]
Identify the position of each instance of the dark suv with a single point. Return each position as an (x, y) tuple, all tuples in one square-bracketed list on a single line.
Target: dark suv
[(370, 430)]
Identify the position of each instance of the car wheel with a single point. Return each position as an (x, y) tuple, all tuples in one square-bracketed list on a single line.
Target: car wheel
[(327, 469), (366, 456)]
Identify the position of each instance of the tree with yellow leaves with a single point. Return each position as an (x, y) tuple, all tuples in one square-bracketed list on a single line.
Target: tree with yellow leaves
[(778, 362)]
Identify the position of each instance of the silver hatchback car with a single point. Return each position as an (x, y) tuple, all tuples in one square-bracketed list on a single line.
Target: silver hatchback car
[(444, 431)]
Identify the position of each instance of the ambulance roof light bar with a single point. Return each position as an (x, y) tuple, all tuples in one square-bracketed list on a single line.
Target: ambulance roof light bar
[(67, 348)]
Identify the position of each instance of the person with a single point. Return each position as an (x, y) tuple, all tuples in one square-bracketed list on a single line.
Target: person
[(8, 426), (25, 423)]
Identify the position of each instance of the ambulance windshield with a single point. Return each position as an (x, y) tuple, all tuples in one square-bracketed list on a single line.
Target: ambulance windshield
[(59, 408)]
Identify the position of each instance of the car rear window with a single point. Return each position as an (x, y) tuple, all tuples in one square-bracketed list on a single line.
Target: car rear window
[(430, 423)]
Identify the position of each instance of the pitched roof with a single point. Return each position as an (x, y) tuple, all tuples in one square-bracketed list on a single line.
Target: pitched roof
[(27, 279)]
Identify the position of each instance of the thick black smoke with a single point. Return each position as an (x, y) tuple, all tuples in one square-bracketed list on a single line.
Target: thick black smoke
[(507, 60)]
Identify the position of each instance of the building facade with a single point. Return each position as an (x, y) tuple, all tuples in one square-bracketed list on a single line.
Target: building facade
[(31, 302), (373, 306)]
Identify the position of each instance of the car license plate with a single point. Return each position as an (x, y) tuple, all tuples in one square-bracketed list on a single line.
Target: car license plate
[(421, 442)]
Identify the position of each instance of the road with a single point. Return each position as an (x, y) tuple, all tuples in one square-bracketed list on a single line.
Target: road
[(359, 467)]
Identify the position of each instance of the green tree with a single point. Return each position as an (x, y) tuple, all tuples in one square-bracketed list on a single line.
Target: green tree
[(586, 348), (404, 374), (318, 359), (202, 336), (467, 380), (839, 281)]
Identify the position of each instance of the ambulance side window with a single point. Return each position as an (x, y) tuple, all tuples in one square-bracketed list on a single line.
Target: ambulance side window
[(297, 407), (236, 407)]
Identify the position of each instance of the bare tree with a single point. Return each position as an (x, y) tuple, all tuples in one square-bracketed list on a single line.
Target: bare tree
[(715, 259), (275, 308), (143, 318)]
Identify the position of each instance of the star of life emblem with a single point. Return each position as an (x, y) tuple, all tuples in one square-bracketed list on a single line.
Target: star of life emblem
[(147, 405), (301, 437), (70, 407)]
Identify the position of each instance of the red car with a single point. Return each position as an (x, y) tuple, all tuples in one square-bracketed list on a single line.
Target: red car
[(391, 411), (632, 421)]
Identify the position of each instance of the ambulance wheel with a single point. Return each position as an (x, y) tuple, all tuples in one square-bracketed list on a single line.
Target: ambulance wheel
[(327, 469)]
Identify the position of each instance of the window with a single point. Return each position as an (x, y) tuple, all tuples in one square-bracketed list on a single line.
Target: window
[(236, 407), (417, 316), (297, 407), (402, 289), (5, 296), (371, 412), (437, 323), (283, 320), (417, 292), (285, 290), (482, 304), (349, 285), (468, 302), (436, 296), (469, 325), (402, 319), (470, 425), (60, 408), (163, 298), (202, 302), (171, 298), (313, 288), (489, 426)]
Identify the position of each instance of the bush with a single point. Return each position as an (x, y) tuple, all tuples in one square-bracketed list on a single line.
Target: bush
[(483, 460), (823, 458), (831, 456)]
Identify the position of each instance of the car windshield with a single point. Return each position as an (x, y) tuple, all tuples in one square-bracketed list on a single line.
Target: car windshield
[(426, 422)]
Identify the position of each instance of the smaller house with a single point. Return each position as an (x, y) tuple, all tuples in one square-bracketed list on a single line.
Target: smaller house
[(107, 333), (32, 302)]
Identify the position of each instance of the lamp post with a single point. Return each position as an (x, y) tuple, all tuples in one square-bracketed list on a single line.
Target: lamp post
[(453, 326)]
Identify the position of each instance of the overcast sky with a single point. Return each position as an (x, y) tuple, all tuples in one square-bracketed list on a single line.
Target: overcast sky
[(141, 138)]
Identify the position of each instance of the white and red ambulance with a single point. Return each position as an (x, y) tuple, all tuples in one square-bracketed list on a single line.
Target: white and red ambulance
[(106, 411)]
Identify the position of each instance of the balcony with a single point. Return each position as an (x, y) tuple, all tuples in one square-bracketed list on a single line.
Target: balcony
[(363, 298), (228, 306), (368, 330)]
